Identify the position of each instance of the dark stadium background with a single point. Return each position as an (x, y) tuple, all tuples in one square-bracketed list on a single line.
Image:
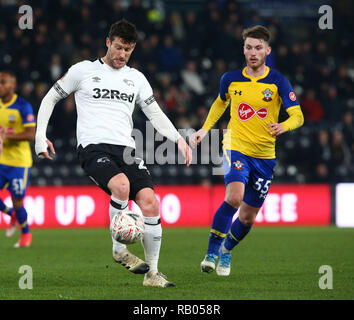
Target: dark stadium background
[(184, 42), (184, 47)]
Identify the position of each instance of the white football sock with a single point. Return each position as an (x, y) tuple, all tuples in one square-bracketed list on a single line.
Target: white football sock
[(116, 206), (152, 241)]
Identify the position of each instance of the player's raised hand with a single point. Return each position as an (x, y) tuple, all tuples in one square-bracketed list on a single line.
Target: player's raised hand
[(197, 137), (275, 129), (185, 150), (41, 147)]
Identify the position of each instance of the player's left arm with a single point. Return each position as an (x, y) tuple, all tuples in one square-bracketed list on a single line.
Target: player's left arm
[(292, 107), (295, 120)]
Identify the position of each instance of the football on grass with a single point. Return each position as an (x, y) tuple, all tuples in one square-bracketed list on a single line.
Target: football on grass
[(127, 227)]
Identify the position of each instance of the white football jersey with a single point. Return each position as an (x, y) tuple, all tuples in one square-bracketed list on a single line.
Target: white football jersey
[(105, 99)]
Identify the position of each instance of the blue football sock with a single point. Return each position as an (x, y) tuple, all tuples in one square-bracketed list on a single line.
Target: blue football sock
[(4, 208), (237, 233), (220, 227), (21, 215)]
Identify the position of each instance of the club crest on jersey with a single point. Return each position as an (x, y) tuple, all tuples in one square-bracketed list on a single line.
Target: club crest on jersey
[(267, 95), (238, 165), (129, 82), (246, 112)]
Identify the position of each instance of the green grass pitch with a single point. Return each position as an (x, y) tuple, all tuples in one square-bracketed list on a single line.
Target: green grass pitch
[(271, 263)]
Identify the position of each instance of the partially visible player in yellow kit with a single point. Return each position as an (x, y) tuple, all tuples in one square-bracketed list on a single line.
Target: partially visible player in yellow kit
[(256, 93), (17, 128)]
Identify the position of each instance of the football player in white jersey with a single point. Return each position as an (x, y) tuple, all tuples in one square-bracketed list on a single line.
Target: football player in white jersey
[(106, 92)]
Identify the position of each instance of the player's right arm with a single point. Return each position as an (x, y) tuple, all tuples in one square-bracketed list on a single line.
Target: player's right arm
[(60, 90), (216, 111)]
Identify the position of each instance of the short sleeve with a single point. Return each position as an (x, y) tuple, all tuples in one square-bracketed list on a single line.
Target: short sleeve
[(28, 119), (70, 81), (224, 87), (145, 94), (287, 93)]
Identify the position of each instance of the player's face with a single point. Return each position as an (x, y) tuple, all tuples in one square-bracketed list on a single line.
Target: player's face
[(7, 85), (118, 52), (255, 51)]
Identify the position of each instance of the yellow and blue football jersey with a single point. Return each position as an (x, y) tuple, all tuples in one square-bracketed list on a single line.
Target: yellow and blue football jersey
[(255, 103), (14, 117)]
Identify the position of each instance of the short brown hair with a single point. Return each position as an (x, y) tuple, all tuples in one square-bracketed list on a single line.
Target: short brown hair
[(257, 32), (125, 30)]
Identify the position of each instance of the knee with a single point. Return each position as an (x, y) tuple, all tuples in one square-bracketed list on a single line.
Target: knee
[(150, 206), (17, 203), (234, 200), (119, 187)]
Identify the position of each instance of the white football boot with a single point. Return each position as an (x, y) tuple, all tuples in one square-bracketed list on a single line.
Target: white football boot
[(131, 262), (156, 279), (224, 265), (208, 264)]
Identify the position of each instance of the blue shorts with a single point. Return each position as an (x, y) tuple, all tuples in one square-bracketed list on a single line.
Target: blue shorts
[(15, 179), (256, 174)]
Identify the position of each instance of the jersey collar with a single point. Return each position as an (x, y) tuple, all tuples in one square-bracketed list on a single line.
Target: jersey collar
[(7, 104), (255, 78), (105, 65)]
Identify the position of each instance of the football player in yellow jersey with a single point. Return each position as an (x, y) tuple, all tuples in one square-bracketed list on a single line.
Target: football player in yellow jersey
[(255, 93), (17, 128)]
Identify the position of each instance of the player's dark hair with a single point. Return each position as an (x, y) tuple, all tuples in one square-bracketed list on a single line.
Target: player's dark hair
[(10, 73), (125, 30), (257, 32)]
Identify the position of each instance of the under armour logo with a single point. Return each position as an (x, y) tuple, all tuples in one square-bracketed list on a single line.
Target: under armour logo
[(238, 92)]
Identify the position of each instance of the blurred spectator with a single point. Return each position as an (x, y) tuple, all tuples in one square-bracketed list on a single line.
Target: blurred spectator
[(64, 116), (344, 82), (332, 105), (282, 59), (194, 37), (322, 174), (55, 67), (348, 130), (340, 151), (312, 107), (322, 152), (170, 56), (175, 26), (136, 13), (66, 48), (191, 78), (214, 76)]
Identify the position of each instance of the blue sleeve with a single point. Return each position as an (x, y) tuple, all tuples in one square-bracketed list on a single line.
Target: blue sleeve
[(287, 93), (224, 86), (27, 113)]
